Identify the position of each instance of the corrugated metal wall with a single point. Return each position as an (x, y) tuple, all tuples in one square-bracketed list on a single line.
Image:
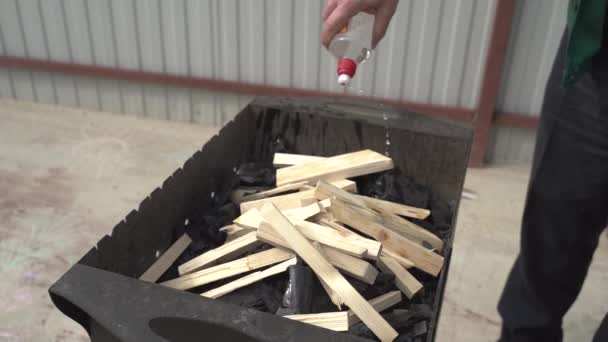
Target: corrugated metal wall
[(537, 30), (434, 52)]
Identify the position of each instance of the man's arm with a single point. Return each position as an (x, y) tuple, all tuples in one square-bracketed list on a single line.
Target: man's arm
[(337, 13)]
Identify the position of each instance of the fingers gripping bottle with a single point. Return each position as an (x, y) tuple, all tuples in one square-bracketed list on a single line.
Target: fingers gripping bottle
[(352, 46)]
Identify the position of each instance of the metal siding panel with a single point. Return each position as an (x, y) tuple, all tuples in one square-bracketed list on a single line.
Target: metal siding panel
[(252, 41), (6, 84), (476, 52), (100, 28), (53, 23), (421, 49), (200, 41), (176, 56), (152, 55), (531, 52), (451, 52), (390, 54), (306, 43), (127, 54), (22, 82), (279, 16), (81, 51)]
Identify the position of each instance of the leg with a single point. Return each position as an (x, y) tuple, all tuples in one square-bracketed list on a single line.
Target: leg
[(566, 209)]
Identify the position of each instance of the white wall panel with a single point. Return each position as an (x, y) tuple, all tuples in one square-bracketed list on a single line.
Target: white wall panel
[(433, 52)]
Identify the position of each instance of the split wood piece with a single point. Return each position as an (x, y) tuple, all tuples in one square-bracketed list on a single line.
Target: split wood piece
[(404, 280), (337, 321), (330, 237), (328, 273), (234, 232), (338, 167), (224, 252), (403, 261), (288, 159), (395, 208), (400, 225), (307, 201), (252, 219), (355, 267), (273, 192), (379, 303), (290, 201), (162, 264), (373, 247), (333, 296), (229, 269), (387, 206), (249, 279), (366, 222)]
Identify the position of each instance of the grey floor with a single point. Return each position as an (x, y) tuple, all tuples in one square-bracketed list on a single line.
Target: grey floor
[(67, 176)]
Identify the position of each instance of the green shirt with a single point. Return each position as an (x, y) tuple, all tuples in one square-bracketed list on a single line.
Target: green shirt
[(585, 26)]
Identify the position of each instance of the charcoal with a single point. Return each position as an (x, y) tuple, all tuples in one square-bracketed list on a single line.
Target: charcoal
[(258, 174), (298, 294), (361, 330), (381, 185), (246, 298), (269, 295)]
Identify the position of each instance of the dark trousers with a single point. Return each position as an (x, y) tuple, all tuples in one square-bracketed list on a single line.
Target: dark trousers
[(566, 207)]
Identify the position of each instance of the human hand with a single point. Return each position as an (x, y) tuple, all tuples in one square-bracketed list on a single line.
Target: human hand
[(337, 13)]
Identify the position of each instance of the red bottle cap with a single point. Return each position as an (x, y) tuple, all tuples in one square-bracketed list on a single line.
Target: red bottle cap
[(347, 66)]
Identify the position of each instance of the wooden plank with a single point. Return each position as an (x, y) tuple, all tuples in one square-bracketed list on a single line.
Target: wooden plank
[(224, 252), (162, 264), (328, 273), (379, 303), (234, 231), (373, 247), (273, 192), (400, 225), (355, 267), (290, 201), (365, 221), (288, 159), (333, 296), (338, 167), (252, 219), (249, 279), (395, 208), (330, 237), (249, 263), (404, 280), (403, 261), (337, 321)]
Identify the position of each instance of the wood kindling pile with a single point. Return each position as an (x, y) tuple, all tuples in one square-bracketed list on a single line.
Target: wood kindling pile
[(315, 213)]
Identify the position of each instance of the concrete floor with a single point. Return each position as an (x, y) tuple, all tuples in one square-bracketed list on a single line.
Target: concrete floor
[(67, 176)]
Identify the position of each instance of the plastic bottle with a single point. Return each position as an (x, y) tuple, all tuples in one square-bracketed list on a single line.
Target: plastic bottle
[(352, 46)]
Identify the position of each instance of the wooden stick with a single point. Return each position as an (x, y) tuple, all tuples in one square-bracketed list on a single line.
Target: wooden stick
[(226, 251), (365, 221), (337, 321), (273, 192), (288, 159), (404, 280), (403, 261), (333, 296), (290, 201), (229, 269), (395, 208), (373, 247), (249, 279), (400, 225), (338, 167), (162, 264), (252, 219), (355, 267), (234, 232), (330, 237), (237, 195), (379, 303), (328, 273)]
